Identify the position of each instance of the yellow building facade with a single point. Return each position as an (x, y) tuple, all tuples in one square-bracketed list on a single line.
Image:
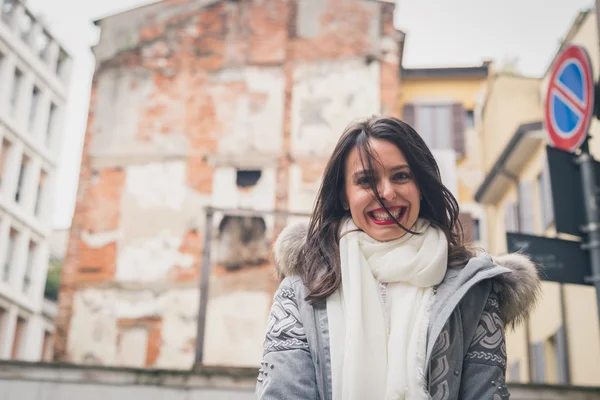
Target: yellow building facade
[(561, 342), (441, 104)]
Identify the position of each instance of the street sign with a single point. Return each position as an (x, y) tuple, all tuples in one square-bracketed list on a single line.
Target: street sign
[(561, 260), (569, 102), (567, 190)]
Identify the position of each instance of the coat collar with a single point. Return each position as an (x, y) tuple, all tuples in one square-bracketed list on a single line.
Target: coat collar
[(517, 279)]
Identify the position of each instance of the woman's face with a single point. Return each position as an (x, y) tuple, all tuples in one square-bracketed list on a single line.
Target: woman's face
[(395, 184)]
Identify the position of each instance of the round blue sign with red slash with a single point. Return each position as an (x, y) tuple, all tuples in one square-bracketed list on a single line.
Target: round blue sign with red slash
[(570, 99)]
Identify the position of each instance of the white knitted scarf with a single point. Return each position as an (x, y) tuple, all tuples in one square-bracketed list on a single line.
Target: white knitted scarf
[(367, 360)]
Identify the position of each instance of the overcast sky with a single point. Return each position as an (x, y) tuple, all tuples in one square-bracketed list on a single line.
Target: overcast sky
[(439, 33)]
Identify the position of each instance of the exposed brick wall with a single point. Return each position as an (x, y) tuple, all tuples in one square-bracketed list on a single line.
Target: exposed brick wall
[(192, 246)]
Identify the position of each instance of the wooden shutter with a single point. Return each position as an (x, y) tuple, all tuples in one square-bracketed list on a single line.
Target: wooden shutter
[(459, 116), (466, 220), (526, 221), (409, 115)]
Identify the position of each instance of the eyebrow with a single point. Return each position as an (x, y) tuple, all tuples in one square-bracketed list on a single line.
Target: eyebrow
[(368, 172), (400, 167)]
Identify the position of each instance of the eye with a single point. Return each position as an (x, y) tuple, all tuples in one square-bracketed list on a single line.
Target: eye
[(362, 181), (402, 176)]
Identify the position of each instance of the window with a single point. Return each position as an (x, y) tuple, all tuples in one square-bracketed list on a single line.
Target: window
[(4, 150), (470, 120), (61, 66), (545, 193), (511, 217), (434, 124), (35, 101), (10, 253), (41, 45), (18, 339), (29, 266), (3, 322), (466, 221), (21, 180), (25, 26), (51, 122), (476, 230), (526, 213), (549, 359), (40, 193), (514, 372), (16, 90), (46, 355), (538, 363), (7, 10), (242, 242), (442, 126), (247, 178), (470, 226)]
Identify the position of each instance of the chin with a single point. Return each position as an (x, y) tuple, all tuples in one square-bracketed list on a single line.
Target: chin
[(387, 234)]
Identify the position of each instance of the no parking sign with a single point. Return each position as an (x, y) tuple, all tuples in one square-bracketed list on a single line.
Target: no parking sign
[(570, 99)]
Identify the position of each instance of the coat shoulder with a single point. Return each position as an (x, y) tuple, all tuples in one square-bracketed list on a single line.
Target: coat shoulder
[(518, 290), (287, 249)]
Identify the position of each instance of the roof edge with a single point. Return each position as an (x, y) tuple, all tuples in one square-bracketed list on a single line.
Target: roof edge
[(498, 166), (573, 30), (125, 11), (449, 71)]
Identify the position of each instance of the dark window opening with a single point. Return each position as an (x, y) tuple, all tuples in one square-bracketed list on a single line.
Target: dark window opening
[(242, 241), (247, 178), (470, 120)]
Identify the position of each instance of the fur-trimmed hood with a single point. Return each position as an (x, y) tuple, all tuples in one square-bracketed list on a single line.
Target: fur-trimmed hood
[(519, 288)]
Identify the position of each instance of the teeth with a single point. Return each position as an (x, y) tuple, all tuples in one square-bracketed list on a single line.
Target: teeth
[(383, 216)]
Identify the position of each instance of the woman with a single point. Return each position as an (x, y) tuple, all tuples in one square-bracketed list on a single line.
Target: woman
[(381, 299)]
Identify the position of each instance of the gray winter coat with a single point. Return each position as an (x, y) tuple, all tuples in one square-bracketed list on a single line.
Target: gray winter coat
[(465, 353)]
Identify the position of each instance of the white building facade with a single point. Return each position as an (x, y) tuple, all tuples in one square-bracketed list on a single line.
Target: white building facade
[(34, 70)]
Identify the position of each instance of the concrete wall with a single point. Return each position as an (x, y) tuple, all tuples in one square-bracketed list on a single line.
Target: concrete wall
[(185, 95), (20, 381)]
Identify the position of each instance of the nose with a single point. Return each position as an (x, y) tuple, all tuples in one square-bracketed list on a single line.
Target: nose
[(386, 190)]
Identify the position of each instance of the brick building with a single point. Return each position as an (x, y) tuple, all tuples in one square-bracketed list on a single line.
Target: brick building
[(234, 104)]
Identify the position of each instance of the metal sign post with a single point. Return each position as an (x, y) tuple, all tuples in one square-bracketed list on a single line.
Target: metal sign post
[(592, 228)]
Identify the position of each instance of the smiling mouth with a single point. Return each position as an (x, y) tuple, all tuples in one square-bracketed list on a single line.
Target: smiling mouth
[(381, 217)]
